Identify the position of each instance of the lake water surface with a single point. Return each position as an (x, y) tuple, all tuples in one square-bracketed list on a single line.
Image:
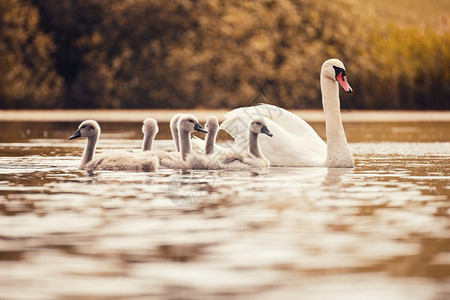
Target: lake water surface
[(378, 231)]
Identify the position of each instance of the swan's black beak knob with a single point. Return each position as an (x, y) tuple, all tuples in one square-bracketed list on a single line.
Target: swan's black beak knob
[(198, 127)]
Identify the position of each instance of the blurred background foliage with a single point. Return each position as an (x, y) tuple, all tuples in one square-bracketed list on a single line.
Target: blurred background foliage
[(217, 54)]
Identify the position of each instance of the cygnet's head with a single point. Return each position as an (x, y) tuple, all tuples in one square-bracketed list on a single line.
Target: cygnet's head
[(150, 126), (259, 126), (174, 120), (334, 69), (88, 128), (212, 123), (190, 123)]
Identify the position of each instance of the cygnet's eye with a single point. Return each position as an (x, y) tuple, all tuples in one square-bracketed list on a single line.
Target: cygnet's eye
[(84, 126), (192, 121), (258, 123)]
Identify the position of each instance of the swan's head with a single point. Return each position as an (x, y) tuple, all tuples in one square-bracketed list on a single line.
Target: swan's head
[(212, 123), (259, 126), (150, 126), (334, 69), (190, 123), (87, 129), (174, 121)]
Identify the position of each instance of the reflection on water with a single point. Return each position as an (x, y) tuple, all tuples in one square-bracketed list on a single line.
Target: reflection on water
[(380, 230)]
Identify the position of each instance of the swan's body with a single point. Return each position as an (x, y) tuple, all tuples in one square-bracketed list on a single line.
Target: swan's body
[(253, 156), (170, 160), (111, 161), (295, 143), (124, 161), (285, 148)]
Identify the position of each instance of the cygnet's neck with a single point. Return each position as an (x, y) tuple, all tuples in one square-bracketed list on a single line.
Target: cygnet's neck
[(253, 145), (176, 139), (338, 151), (174, 131), (210, 139), (148, 141), (185, 143), (89, 150)]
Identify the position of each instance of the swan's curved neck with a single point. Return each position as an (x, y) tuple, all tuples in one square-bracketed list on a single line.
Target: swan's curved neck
[(338, 151), (332, 109), (185, 143), (89, 150), (148, 141), (253, 145), (175, 137), (210, 140)]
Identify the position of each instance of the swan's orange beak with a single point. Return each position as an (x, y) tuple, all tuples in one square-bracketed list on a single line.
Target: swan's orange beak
[(343, 82)]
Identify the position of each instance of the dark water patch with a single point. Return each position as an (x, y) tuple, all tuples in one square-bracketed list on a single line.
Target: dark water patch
[(355, 131)]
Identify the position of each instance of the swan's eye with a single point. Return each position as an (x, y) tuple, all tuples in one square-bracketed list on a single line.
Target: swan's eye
[(338, 71)]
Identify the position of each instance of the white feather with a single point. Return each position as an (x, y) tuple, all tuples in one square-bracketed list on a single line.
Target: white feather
[(285, 148), (294, 142)]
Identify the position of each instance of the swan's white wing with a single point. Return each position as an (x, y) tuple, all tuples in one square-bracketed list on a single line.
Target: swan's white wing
[(294, 142), (286, 149), (289, 121)]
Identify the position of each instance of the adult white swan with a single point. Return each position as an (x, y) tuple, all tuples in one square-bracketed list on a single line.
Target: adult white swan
[(294, 142), (110, 161)]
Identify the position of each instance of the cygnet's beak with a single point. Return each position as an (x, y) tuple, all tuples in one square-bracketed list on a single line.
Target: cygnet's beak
[(265, 130), (77, 134), (199, 128)]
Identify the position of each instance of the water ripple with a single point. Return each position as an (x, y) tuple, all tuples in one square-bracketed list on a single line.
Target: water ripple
[(266, 233)]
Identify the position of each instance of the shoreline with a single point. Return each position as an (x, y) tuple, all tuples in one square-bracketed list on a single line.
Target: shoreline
[(164, 115)]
